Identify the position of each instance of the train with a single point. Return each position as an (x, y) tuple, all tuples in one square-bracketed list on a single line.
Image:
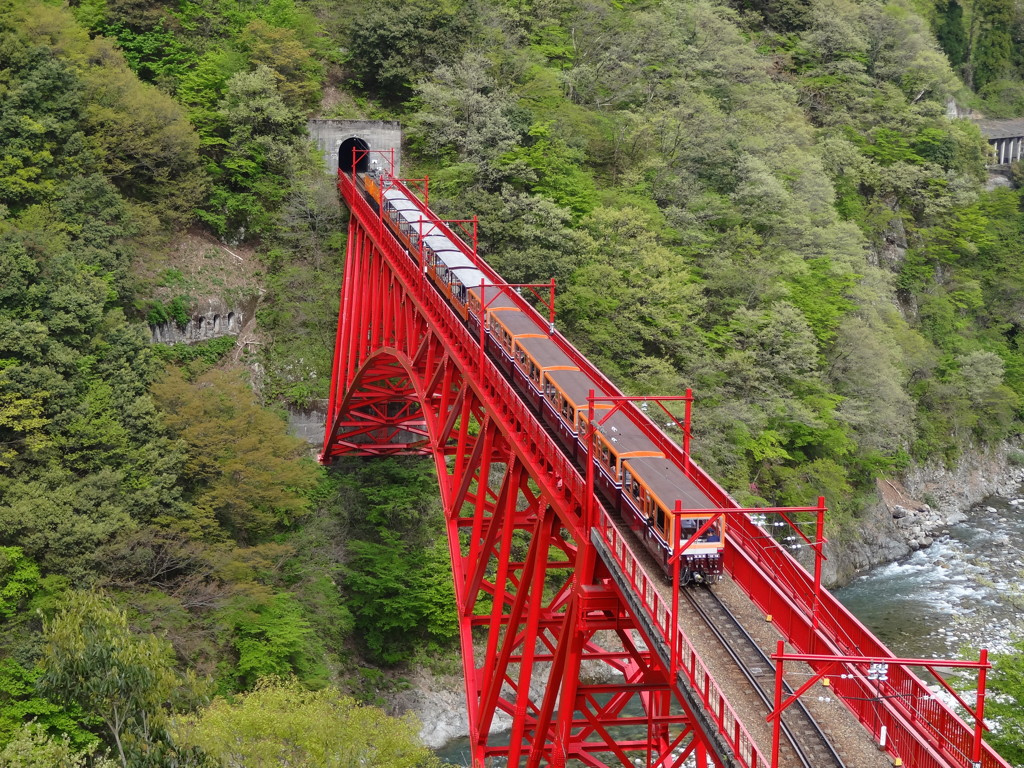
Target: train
[(636, 478)]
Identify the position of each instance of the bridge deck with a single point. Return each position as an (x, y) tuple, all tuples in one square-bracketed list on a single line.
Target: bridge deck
[(854, 744)]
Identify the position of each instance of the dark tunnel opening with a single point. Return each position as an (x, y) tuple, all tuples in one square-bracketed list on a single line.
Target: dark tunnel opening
[(362, 158)]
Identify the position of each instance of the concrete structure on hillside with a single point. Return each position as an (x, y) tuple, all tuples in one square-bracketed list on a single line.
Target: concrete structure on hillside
[(1006, 138), (337, 138)]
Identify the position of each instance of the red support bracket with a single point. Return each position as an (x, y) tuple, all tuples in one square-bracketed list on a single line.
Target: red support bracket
[(877, 670)]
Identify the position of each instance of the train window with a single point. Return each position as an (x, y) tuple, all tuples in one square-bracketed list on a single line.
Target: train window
[(661, 518), (714, 533), (535, 373), (566, 412)]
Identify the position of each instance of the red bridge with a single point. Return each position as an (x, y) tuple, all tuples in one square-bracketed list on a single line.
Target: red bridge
[(562, 628)]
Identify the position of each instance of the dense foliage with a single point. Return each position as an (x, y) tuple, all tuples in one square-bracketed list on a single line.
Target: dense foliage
[(1007, 683), (766, 204), (761, 199), (154, 516), (280, 723)]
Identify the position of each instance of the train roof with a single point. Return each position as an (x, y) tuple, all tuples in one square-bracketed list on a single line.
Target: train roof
[(545, 352), (393, 195), (625, 435), (413, 217), (456, 260), (668, 482), (520, 323), (471, 277), (497, 297), (440, 244), (402, 204), (576, 385), (406, 208)]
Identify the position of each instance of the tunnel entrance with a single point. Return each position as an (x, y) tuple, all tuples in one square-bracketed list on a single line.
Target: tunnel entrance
[(345, 155)]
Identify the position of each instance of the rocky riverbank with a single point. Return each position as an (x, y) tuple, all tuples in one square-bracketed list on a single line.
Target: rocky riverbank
[(439, 700), (911, 511)]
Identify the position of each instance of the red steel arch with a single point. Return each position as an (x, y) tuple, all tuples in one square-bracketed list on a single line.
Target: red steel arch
[(564, 637)]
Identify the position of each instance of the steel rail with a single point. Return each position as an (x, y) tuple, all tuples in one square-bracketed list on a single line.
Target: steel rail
[(751, 655)]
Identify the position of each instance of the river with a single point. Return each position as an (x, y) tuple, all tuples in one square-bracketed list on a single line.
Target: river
[(962, 593)]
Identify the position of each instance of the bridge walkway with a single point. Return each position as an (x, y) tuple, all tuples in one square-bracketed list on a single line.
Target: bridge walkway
[(849, 738)]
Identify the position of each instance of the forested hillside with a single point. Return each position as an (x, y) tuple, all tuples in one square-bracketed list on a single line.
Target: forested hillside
[(765, 201)]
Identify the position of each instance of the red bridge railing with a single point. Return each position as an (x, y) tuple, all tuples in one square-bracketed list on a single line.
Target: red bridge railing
[(691, 665)]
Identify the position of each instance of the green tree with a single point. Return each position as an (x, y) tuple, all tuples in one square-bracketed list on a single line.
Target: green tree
[(991, 53), (91, 659), (253, 143), (1007, 679), (271, 636), (397, 572), (19, 577), (397, 40), (33, 747), (951, 33), (242, 467), (20, 703), (401, 597), (143, 140), (281, 50), (280, 723)]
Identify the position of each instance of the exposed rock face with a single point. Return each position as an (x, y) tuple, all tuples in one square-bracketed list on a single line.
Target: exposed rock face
[(212, 318), (976, 475), (440, 705), (908, 515), (998, 177), (879, 541), (891, 252)]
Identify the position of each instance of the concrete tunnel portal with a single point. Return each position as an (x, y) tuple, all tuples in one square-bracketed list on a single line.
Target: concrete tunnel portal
[(336, 139)]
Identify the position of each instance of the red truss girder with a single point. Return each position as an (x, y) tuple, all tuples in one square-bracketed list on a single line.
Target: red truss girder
[(542, 622)]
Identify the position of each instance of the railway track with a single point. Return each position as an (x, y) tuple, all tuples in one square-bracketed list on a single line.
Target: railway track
[(807, 743)]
